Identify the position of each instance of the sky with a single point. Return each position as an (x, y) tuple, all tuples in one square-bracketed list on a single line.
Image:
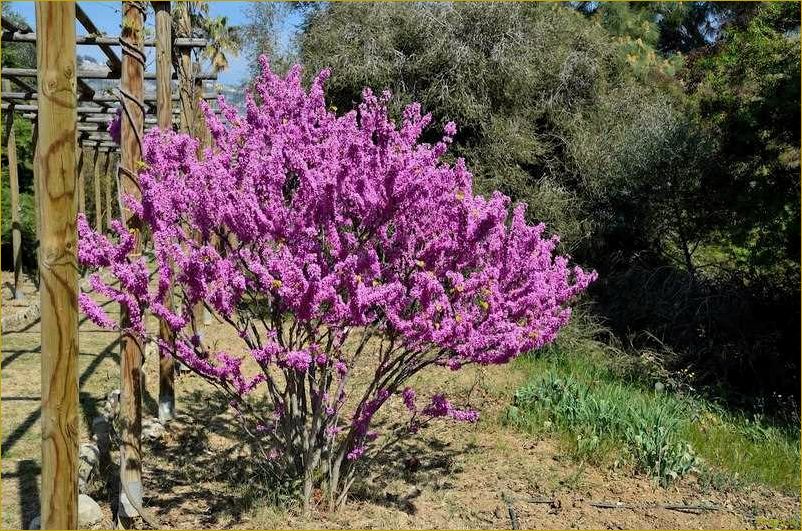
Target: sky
[(107, 17)]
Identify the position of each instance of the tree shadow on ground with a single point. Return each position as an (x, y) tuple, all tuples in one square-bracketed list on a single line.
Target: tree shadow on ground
[(408, 466), (204, 473), (202, 467), (27, 475)]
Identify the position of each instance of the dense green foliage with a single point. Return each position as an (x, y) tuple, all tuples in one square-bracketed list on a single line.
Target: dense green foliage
[(27, 215), (19, 55), (660, 140)]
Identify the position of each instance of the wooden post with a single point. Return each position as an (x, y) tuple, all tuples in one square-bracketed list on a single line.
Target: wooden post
[(79, 153), (132, 129), (200, 315), (108, 176), (184, 68), (38, 217), (58, 268), (16, 227), (164, 116), (97, 174)]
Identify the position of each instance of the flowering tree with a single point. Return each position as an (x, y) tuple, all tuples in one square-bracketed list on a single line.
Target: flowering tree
[(332, 245)]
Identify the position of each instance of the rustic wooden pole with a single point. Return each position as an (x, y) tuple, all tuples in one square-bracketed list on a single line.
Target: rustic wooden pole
[(38, 217), (79, 153), (108, 177), (184, 68), (200, 315), (58, 268), (16, 227), (133, 121), (96, 175), (164, 114)]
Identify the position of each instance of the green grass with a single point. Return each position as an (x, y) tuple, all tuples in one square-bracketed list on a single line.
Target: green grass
[(578, 390)]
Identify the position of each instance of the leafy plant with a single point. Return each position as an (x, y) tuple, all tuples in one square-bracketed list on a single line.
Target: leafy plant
[(594, 415)]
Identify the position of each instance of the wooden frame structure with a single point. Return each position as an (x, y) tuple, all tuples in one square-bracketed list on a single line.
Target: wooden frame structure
[(69, 117)]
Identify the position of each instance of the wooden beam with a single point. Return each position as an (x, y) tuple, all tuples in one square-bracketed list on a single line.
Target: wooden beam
[(20, 83), (22, 28), (113, 62), (11, 35), (132, 129), (94, 118), (26, 97), (58, 267), (100, 73)]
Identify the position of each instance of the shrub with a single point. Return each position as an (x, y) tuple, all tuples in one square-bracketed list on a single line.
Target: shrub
[(336, 247)]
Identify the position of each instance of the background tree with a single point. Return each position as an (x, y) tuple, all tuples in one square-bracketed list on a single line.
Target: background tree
[(19, 55), (642, 133)]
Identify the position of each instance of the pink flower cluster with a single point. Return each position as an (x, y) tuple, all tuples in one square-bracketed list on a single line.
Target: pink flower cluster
[(342, 223)]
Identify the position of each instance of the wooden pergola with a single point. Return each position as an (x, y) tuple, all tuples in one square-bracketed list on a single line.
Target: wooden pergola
[(70, 116)]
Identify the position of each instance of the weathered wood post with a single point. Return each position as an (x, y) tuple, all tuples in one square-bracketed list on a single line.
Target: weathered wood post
[(183, 63), (108, 177), (164, 114), (79, 153), (58, 269), (132, 129), (96, 175), (189, 110), (16, 227), (38, 217), (200, 315)]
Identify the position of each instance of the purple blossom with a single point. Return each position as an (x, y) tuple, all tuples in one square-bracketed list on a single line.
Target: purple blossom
[(297, 359), (408, 396), (312, 226)]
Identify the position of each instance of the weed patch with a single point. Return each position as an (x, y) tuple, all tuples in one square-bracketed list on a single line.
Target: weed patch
[(575, 391)]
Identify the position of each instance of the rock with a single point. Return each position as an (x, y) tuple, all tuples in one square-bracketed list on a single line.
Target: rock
[(88, 452), (659, 387), (35, 523), (88, 458), (112, 406), (152, 429), (89, 512)]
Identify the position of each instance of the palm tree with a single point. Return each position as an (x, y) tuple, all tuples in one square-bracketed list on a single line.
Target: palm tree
[(223, 39), (193, 19)]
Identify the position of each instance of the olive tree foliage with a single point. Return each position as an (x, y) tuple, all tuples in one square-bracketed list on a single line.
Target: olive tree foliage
[(552, 111), (506, 73)]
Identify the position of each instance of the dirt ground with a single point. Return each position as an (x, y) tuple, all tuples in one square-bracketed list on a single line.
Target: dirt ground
[(451, 477)]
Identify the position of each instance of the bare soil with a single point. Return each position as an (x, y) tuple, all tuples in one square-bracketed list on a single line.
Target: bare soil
[(453, 476)]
